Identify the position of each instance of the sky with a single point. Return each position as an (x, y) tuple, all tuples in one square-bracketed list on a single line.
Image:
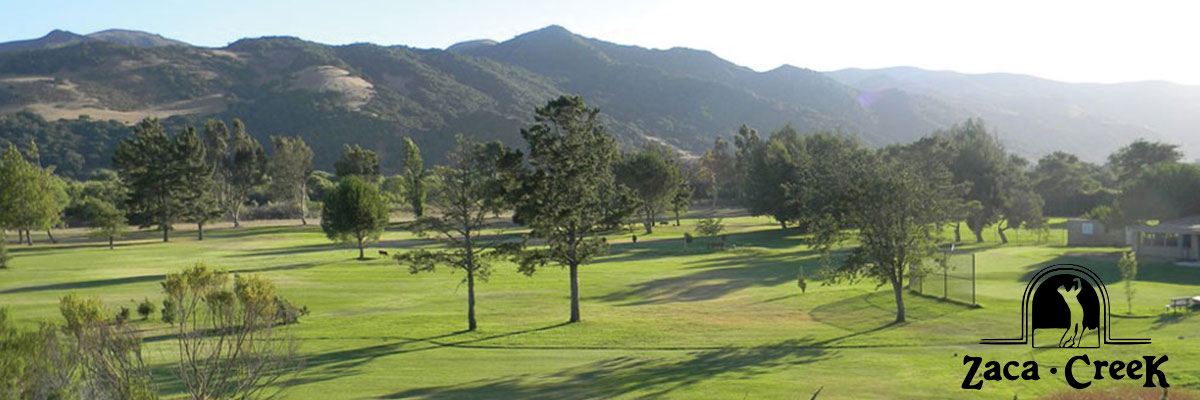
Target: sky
[(1067, 40)]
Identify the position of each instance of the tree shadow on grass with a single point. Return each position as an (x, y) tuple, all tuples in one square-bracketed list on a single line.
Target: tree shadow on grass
[(85, 284), (1172, 318), (1104, 264), (861, 313), (647, 377), (717, 277), (651, 247), (19, 249), (231, 232), (142, 279)]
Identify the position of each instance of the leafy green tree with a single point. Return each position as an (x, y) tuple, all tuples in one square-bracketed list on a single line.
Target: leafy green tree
[(1135, 157), (1069, 186), (105, 220), (980, 160), (748, 144), (148, 162), (654, 178), (414, 178), (681, 200), (357, 161), (562, 195), (618, 204), (717, 170), (321, 184), (1128, 265), (902, 201), (354, 212), (1112, 217), (103, 184), (30, 197), (289, 168), (241, 168), (393, 190), (818, 194), (1161, 192), (1022, 206), (773, 168), (466, 192)]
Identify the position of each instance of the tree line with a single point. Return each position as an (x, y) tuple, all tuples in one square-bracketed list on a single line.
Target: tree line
[(571, 185)]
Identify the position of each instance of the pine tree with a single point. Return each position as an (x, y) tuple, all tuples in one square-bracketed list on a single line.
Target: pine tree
[(562, 197), (149, 163), (469, 189)]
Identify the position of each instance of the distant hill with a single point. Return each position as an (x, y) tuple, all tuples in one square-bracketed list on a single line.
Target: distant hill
[(375, 95), (54, 39), (135, 38), (59, 38), (1036, 115)]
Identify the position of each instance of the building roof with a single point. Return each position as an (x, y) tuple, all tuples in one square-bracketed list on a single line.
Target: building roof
[(1188, 224)]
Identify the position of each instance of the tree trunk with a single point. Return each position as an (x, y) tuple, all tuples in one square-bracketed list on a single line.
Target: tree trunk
[(957, 232), (235, 214), (28, 238), (51, 236), (783, 225), (110, 242), (1000, 231), (470, 300), (361, 255), (676, 217), (165, 237), (898, 291), (303, 205), (574, 293), (978, 234), (199, 231), (648, 222)]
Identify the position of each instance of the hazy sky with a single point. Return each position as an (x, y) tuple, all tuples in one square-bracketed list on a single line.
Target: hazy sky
[(1078, 41)]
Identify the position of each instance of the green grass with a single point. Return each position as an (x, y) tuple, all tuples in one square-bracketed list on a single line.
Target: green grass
[(659, 320)]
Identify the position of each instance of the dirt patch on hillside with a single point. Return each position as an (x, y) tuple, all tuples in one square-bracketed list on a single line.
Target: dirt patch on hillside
[(62, 99), (355, 91)]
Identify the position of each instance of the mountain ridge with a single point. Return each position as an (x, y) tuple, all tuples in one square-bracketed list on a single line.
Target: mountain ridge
[(373, 94)]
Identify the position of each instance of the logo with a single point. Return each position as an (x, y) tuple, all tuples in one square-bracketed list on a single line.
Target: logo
[(1066, 306)]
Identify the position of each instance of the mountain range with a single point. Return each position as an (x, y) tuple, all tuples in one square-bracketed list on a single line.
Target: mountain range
[(374, 95)]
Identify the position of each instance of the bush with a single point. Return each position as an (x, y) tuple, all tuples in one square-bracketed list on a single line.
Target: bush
[(287, 313), (122, 315), (168, 311), (145, 308), (710, 226), (271, 211)]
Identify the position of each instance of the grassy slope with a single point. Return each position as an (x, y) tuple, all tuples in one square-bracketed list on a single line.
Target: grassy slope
[(659, 320)]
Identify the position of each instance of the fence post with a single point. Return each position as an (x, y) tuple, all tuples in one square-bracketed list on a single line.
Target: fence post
[(973, 279), (945, 284)]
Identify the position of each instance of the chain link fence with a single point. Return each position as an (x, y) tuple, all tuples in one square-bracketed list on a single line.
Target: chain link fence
[(953, 281)]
